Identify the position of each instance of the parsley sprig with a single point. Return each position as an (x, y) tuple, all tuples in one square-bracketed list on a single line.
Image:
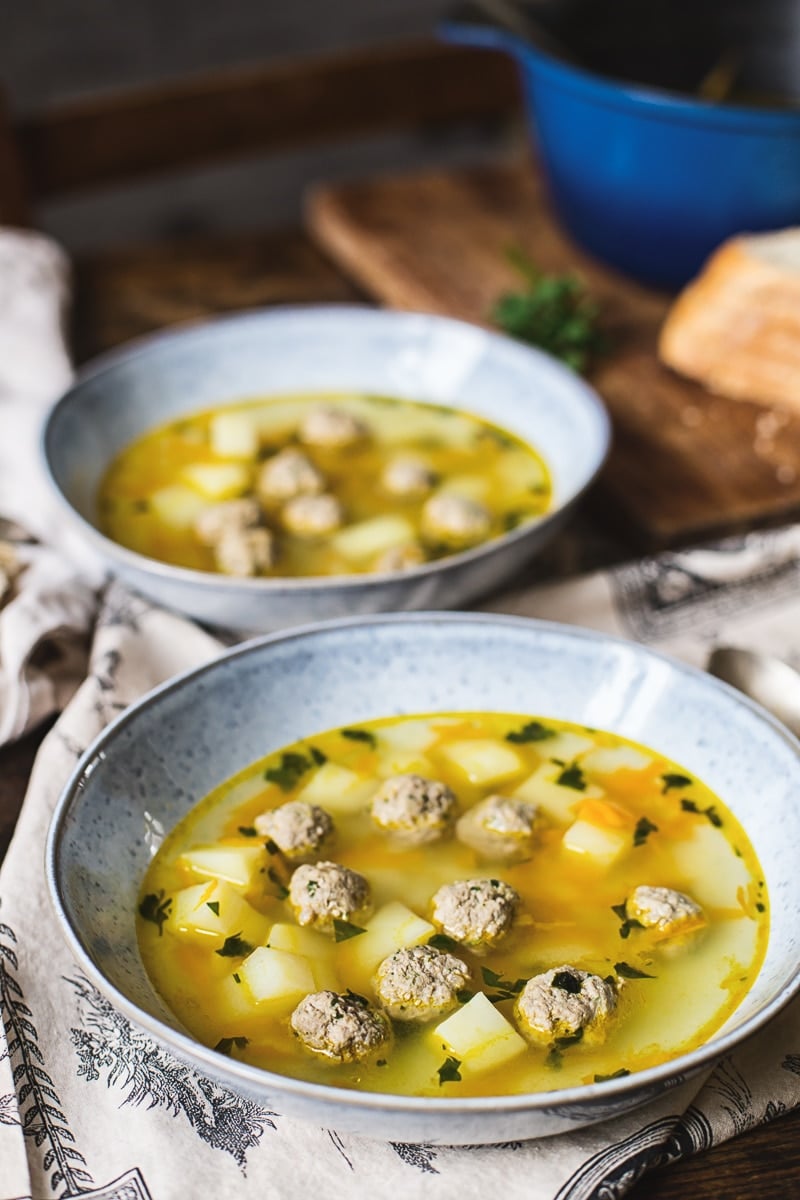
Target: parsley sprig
[(552, 312)]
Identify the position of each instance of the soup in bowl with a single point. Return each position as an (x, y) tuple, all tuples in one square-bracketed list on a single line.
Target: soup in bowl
[(591, 948), (207, 466)]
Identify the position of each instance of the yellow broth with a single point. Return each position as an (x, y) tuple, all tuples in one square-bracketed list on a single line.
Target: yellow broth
[(672, 994), (149, 500)]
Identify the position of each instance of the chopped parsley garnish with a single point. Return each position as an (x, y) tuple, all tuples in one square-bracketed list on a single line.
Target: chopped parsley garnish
[(362, 1001), (572, 777), (628, 923), (312, 886), (671, 781), (440, 941), (562, 1043), (289, 772), (318, 757), (628, 972), (532, 731), (710, 812), (567, 982), (620, 1074), (342, 930), (248, 831), (644, 827), (155, 907), (511, 520), (280, 886), (464, 995), (271, 847), (214, 906), (507, 989), (234, 947), (448, 1072), (236, 977), (553, 312), (225, 1045), (359, 735), (760, 907), (381, 1062)]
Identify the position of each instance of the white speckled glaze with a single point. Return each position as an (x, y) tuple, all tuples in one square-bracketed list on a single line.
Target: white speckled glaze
[(336, 348), (171, 748)]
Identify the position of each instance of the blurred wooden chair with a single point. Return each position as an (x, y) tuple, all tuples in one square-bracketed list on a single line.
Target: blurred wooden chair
[(116, 139)]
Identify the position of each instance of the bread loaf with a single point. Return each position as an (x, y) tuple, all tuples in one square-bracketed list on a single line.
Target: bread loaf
[(736, 327)]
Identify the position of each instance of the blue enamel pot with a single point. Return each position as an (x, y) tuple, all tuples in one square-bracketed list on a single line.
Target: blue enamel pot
[(646, 179)]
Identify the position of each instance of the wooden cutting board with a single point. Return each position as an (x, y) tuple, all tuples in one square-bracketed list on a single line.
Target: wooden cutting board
[(684, 463)]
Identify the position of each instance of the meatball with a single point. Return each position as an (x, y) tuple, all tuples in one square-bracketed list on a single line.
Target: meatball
[(564, 1002), (400, 558), (299, 830), (345, 1028), (332, 427), (420, 983), (414, 809), (288, 474), (230, 516), (309, 516), (321, 893), (475, 912), (408, 476), (664, 910), (454, 519), (500, 827), (244, 552)]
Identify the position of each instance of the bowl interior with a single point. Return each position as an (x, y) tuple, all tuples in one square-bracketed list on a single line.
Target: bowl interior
[(336, 349), (167, 752)]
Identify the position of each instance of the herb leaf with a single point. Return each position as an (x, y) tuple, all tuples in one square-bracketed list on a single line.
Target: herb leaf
[(318, 757), (572, 777), (628, 972), (567, 982), (554, 1057), (343, 930), (710, 812), (155, 907), (225, 1045), (620, 1074), (234, 947), (506, 988), (533, 731), (644, 827), (628, 923), (280, 886), (290, 770), (551, 311), (440, 941), (214, 906), (464, 995), (448, 1072), (359, 735), (675, 781), (248, 831)]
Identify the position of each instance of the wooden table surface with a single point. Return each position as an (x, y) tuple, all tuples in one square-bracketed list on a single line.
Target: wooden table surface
[(140, 290)]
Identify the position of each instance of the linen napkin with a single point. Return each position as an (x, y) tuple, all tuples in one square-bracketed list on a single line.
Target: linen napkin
[(89, 1104)]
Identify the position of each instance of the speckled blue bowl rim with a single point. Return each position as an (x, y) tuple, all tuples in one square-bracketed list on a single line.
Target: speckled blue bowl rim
[(257, 1078), (153, 566)]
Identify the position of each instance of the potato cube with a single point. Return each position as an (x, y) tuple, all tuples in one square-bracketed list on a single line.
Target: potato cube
[(234, 435), (565, 745), (407, 735), (208, 913), (605, 760), (483, 760), (296, 940), (276, 977), (337, 789), (598, 844), (479, 1036), (237, 864), (367, 538), (554, 799), (393, 927), (217, 481), (177, 506), (235, 1000)]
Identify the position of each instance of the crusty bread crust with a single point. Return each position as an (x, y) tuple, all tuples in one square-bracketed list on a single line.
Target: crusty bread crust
[(736, 327)]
